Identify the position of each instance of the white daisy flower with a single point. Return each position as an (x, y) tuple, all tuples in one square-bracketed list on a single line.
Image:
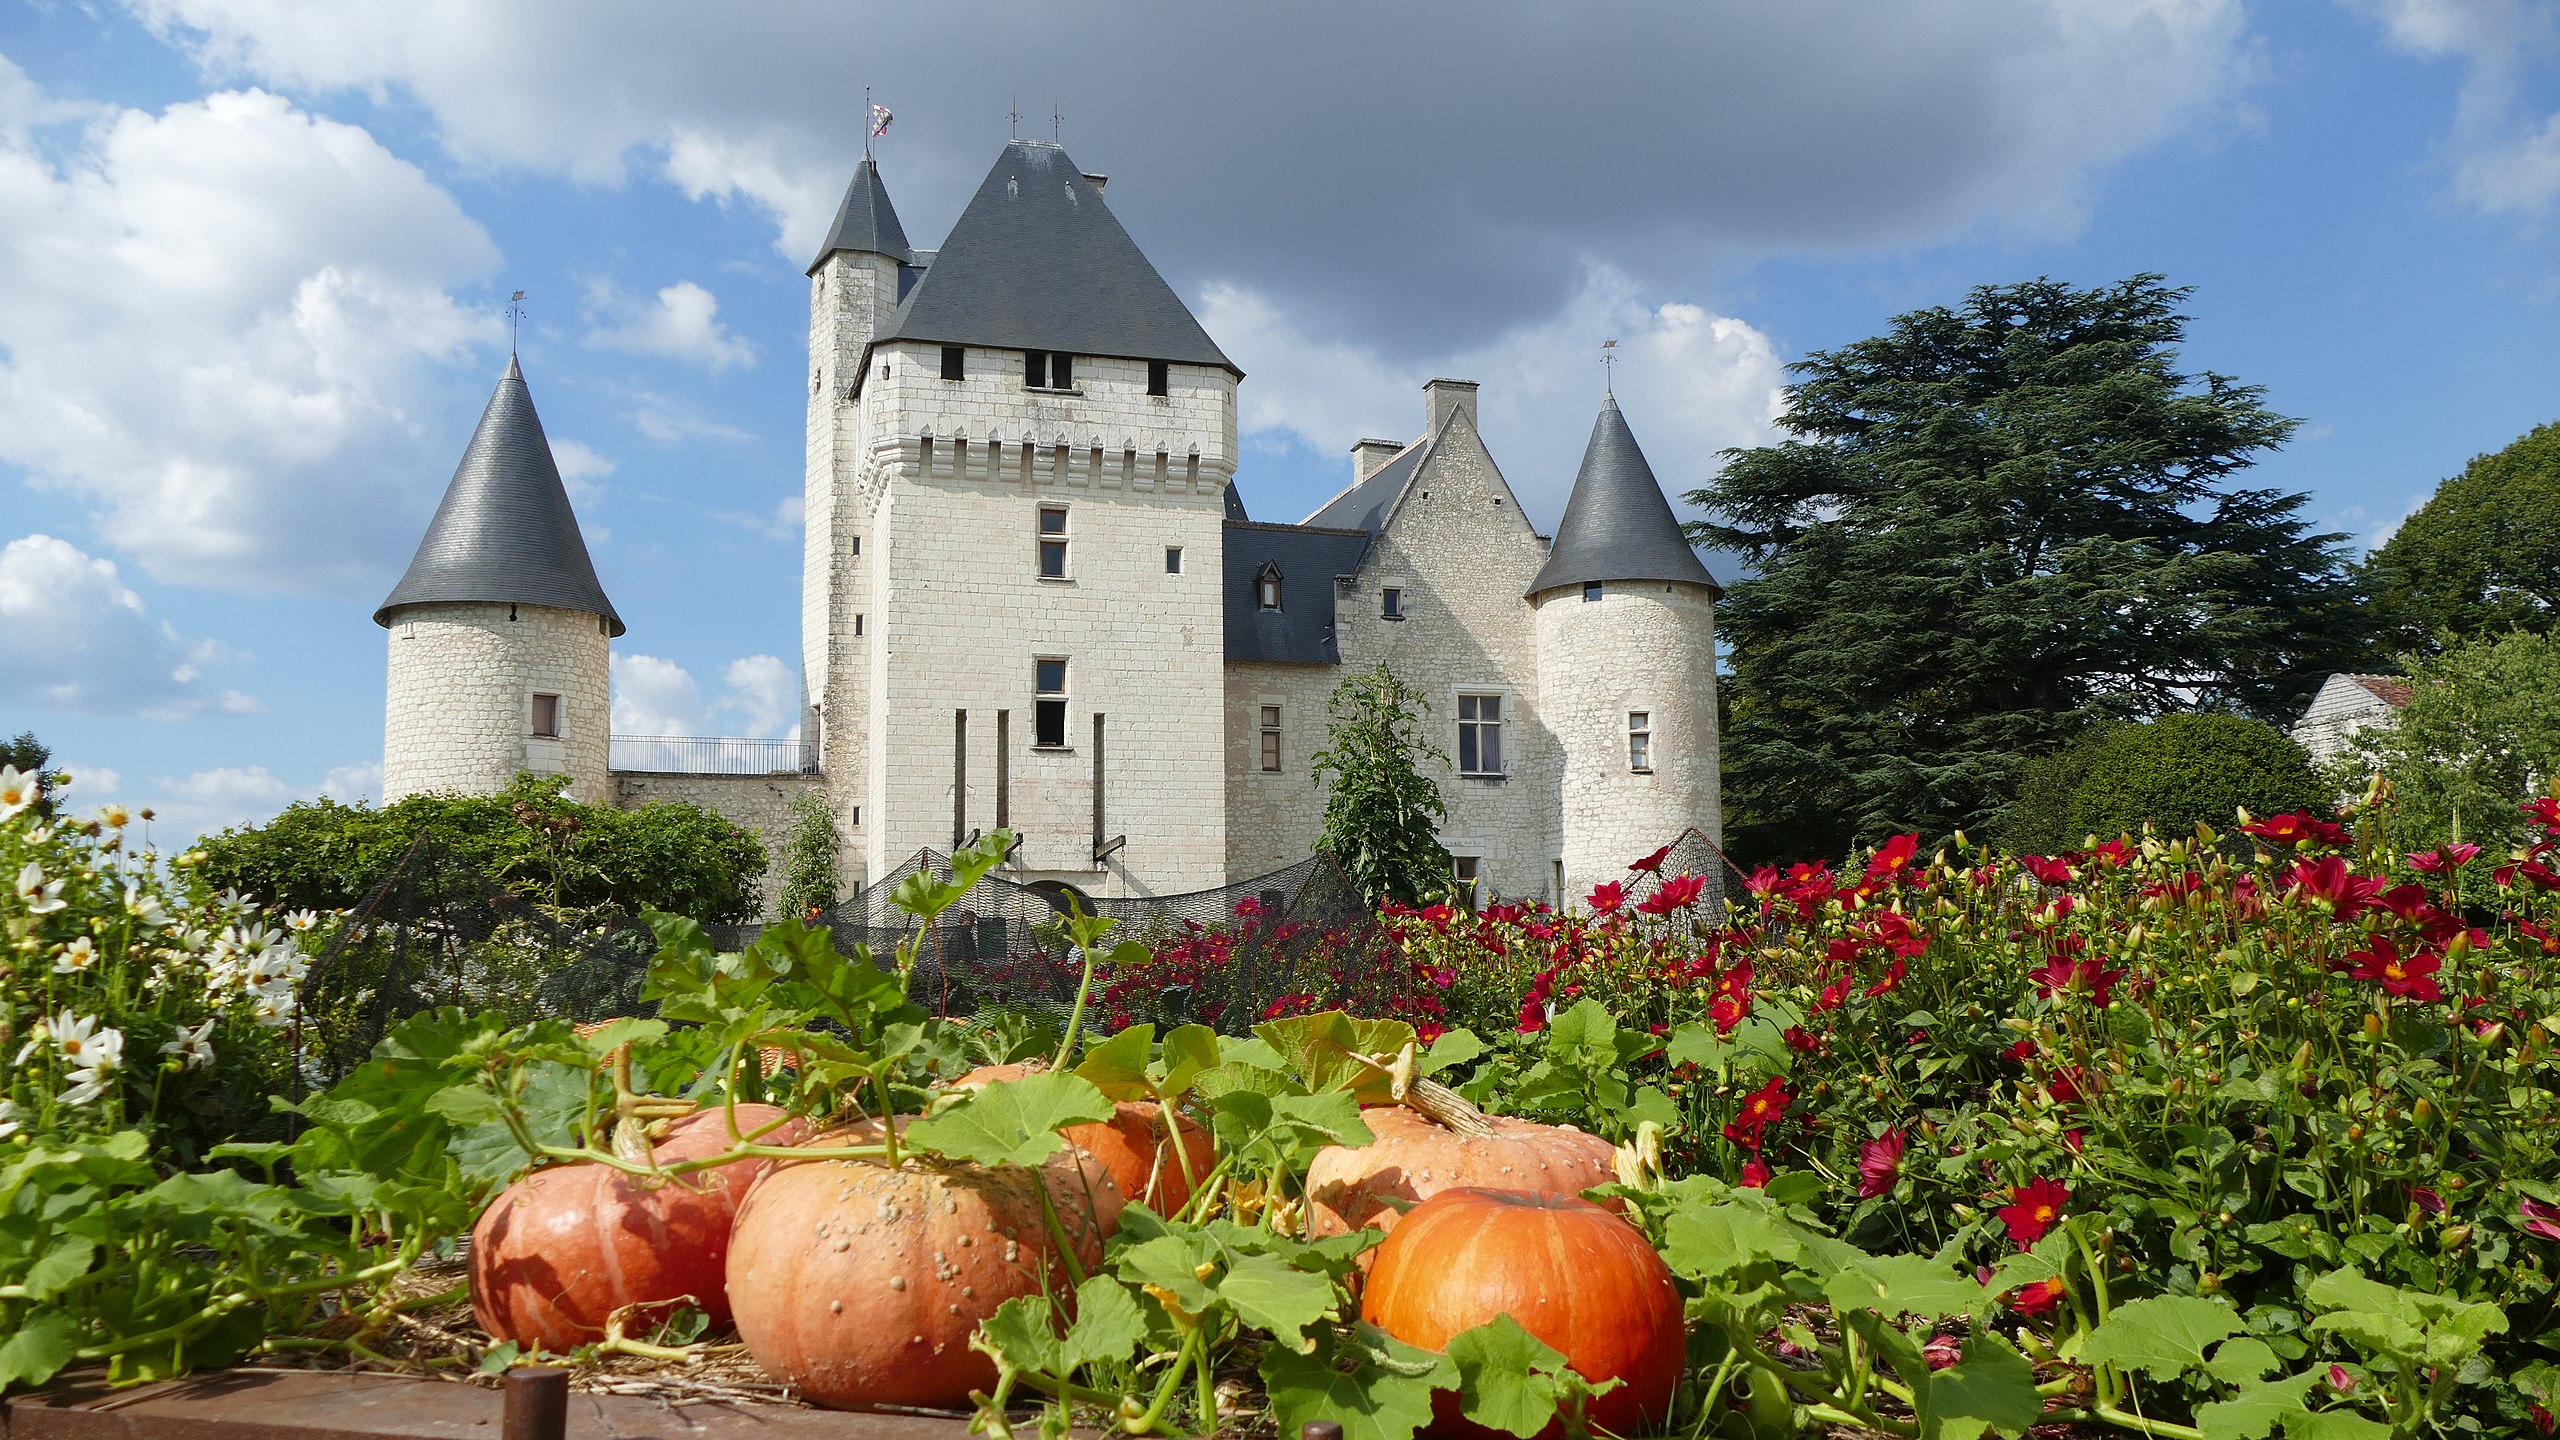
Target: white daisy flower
[(301, 920), (40, 896), (37, 1036), (272, 1008), (76, 958), (88, 1085), (195, 1046), (116, 817), (9, 1124), (83, 1045), (143, 906), (17, 791)]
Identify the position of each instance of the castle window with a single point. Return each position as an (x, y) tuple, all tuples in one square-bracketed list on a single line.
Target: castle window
[(1049, 704), (857, 544), (955, 363), (857, 626), (1053, 543), (1173, 559), (1640, 741), (1467, 870), (1266, 586), (1048, 370), (1590, 590), (1159, 377), (1271, 739), (546, 717), (1391, 603), (1479, 734)]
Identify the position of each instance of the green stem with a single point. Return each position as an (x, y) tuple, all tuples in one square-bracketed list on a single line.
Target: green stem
[(1146, 1423), (1075, 1017), (1058, 1235)]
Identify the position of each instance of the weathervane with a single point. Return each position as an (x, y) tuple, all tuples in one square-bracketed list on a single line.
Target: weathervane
[(1057, 125), (1015, 115), (515, 317), (1608, 366)]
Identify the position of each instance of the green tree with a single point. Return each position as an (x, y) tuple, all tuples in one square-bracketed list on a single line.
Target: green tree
[(810, 881), (2476, 739), (1382, 817), (2170, 773), (1992, 527), (529, 838), (29, 756), (2482, 556)]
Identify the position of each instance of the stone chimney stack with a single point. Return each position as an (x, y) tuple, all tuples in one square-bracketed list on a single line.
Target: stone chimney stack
[(1443, 398), (1368, 455)]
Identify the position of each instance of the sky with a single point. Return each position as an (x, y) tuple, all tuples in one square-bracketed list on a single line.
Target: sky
[(255, 258)]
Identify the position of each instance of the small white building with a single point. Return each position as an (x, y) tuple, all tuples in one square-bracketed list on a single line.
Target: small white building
[(2347, 706), (1033, 597)]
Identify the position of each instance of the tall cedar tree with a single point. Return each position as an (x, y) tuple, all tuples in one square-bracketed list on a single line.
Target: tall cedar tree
[(2482, 556), (1995, 525), (1382, 817)]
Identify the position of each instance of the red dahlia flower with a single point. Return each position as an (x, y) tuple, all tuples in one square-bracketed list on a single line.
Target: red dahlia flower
[(1607, 897), (1755, 1173), (2411, 979), (2431, 862), (1894, 858), (1760, 1109), (1677, 893), (2038, 1298), (2062, 976), (2539, 1218), (2032, 1210), (2046, 870), (1893, 974), (1652, 862), (1880, 1163), (2297, 829)]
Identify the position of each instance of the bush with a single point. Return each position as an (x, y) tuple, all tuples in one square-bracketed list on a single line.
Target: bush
[(2477, 737), (2171, 773), (810, 881), (530, 839)]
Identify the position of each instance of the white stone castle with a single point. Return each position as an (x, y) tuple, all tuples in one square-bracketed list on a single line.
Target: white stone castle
[(1032, 597)]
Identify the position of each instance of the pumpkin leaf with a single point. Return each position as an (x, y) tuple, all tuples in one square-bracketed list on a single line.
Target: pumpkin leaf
[(1108, 1326), (1270, 1295), (1926, 1286), (2257, 1410), (1189, 1052), (1507, 1377), (1118, 1066), (2160, 1336), (1372, 1385), (1453, 1048), (45, 1342), (1012, 1122), (1992, 1387), (1323, 1050)]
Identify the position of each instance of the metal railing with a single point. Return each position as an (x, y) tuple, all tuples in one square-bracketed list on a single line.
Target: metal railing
[(710, 755)]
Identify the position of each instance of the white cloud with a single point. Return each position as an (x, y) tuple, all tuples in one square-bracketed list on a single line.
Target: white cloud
[(75, 637), (655, 696), (783, 523), (2507, 160), (670, 421), (224, 321), (580, 468), (91, 783), (683, 323), (215, 799), (353, 784), (1691, 382)]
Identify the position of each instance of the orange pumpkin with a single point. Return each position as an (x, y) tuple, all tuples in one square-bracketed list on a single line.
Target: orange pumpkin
[(560, 1250), (860, 1283), (1131, 1144), (1415, 1157), (1571, 1273)]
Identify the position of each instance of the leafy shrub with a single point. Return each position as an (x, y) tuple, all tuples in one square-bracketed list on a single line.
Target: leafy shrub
[(2477, 736), (530, 838), (2169, 773), (810, 881), (2482, 556), (1382, 814)]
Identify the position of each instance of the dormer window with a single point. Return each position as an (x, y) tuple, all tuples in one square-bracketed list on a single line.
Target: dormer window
[(1266, 586), (1590, 590), (1048, 370)]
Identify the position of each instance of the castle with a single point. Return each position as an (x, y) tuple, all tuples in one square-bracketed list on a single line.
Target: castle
[(1033, 598)]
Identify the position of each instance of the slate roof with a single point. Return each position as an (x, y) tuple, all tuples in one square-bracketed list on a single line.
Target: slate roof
[(1038, 262), (1617, 525), (1364, 506), (866, 221), (1301, 631), (505, 532)]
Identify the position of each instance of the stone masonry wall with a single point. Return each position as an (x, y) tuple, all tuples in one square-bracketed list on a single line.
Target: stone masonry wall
[(458, 712), (1643, 646), (1273, 819), (1462, 553), (758, 803)]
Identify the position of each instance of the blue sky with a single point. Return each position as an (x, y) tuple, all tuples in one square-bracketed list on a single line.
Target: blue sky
[(254, 258)]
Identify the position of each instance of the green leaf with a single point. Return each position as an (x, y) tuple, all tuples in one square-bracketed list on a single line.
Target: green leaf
[(1189, 1052), (1791, 1187), (2242, 1360), (65, 1262), (625, 1031), (1506, 1376), (1108, 1325), (1992, 1387), (1012, 1122), (1452, 1049), (2255, 1412), (1368, 1400), (1321, 1049), (2162, 1336), (1171, 1261), (1925, 1286), (46, 1340), (1118, 1066), (1268, 1294)]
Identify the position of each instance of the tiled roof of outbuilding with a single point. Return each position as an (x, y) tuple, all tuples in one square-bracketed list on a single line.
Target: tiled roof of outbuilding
[(1038, 262), (505, 532)]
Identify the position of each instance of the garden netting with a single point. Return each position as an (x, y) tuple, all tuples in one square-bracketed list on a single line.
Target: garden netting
[(437, 932)]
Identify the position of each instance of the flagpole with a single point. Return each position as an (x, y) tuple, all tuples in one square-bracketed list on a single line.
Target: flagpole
[(867, 125)]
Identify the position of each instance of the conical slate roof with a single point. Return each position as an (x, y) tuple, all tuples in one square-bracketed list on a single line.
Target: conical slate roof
[(866, 221), (1617, 525), (1038, 262), (505, 532)]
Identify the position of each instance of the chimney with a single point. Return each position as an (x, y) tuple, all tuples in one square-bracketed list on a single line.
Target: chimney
[(1443, 398), (1096, 181), (1368, 455)]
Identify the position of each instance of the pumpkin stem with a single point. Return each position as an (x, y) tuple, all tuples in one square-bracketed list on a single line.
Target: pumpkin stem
[(1453, 1110)]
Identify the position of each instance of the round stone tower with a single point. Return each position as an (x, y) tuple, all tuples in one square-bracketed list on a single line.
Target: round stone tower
[(1627, 666), (500, 632)]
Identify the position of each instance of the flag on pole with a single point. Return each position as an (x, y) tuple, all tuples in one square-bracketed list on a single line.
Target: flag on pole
[(880, 118)]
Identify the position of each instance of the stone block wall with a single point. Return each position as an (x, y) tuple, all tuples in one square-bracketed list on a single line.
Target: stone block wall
[(757, 803), (1643, 646), (459, 707), (1273, 819)]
